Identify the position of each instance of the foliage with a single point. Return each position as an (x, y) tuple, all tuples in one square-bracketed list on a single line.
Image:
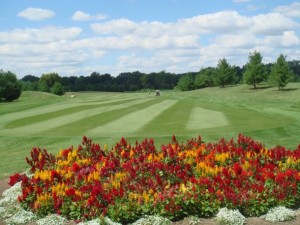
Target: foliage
[(281, 73), (255, 72), (225, 73), (186, 82), (42, 86), (294, 65), (50, 82), (10, 87), (205, 78), (57, 89), (176, 181), (50, 79), (230, 217)]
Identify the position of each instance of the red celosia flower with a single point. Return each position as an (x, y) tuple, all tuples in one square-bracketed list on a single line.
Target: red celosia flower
[(70, 192), (15, 179), (237, 169)]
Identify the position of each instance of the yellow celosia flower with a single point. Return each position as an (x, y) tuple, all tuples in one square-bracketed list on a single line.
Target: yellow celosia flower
[(221, 158), (150, 192), (182, 188), (131, 154), (246, 165), (60, 189), (120, 176), (44, 175), (93, 176), (43, 199), (145, 197)]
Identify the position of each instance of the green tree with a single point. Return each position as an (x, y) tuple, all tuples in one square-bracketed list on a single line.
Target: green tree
[(42, 86), (295, 67), (30, 83), (49, 79), (225, 73), (57, 89), (10, 87), (255, 72), (205, 78), (281, 74), (186, 82)]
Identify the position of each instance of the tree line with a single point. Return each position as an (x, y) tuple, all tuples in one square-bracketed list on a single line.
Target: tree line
[(253, 73)]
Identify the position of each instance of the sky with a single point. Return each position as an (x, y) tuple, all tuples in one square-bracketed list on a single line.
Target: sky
[(76, 38)]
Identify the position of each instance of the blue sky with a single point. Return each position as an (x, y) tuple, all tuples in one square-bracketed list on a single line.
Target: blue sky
[(76, 38)]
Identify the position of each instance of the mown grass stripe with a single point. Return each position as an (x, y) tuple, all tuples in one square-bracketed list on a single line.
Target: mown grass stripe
[(132, 122), (53, 107), (201, 118), (66, 119), (81, 127), (51, 115), (170, 121)]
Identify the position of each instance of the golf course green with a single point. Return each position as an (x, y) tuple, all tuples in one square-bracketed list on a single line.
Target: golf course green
[(47, 121)]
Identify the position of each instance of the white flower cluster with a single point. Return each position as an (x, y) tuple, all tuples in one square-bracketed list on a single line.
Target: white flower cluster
[(230, 217), (52, 219), (9, 204), (193, 220), (280, 214), (91, 222), (10, 210), (104, 221), (28, 173), (20, 217), (11, 195), (152, 220)]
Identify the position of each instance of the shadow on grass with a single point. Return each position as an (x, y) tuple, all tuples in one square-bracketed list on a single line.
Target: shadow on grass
[(288, 89), (261, 87)]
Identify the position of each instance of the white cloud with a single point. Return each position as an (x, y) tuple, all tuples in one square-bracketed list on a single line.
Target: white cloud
[(287, 39), (36, 13), (292, 10), (271, 24), (45, 34), (216, 23), (180, 46), (82, 16), (220, 22), (241, 41)]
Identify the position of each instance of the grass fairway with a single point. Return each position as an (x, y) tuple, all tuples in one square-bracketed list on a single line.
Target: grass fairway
[(52, 122)]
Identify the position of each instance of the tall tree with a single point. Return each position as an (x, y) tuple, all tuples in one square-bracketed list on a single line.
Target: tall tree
[(295, 67), (255, 71), (205, 78), (225, 73), (10, 86), (281, 74), (186, 82), (50, 79)]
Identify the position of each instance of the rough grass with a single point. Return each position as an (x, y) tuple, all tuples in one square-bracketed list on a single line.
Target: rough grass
[(52, 122)]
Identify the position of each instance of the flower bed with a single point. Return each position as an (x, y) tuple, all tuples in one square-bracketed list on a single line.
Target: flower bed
[(178, 180)]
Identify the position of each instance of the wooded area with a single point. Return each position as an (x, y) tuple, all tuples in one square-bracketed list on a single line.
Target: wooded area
[(223, 74)]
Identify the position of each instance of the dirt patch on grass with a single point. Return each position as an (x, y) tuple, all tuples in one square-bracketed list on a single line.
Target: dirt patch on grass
[(250, 221)]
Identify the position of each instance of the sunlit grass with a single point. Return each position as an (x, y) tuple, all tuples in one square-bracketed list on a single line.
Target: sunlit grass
[(51, 122)]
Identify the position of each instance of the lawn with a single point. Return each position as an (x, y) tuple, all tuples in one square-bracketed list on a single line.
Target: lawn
[(52, 122)]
